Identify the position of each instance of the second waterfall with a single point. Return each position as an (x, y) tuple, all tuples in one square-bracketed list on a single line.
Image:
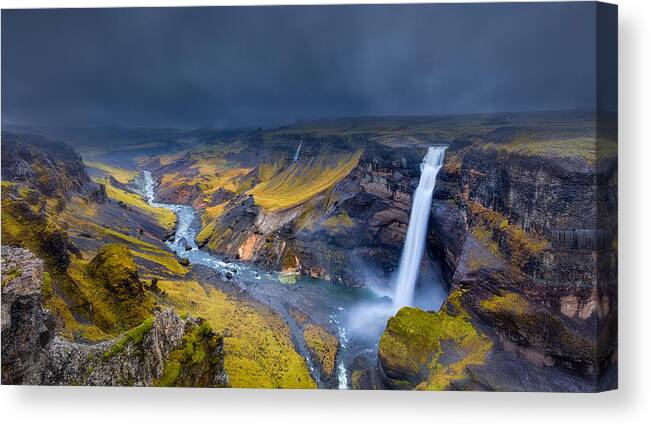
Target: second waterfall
[(412, 252)]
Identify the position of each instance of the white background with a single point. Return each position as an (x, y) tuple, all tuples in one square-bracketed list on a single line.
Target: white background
[(629, 405)]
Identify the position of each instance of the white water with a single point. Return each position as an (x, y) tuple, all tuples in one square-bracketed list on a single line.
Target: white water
[(342, 372), (412, 252), (184, 242), (298, 151)]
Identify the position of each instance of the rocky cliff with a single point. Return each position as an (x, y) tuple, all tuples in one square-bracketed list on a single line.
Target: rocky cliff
[(528, 244), (164, 350), (343, 206)]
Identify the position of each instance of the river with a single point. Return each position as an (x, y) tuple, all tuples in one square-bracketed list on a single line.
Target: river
[(358, 316)]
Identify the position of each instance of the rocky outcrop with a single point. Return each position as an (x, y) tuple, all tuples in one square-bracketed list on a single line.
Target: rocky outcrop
[(121, 301), (181, 194), (144, 356), (164, 350), (430, 351), (26, 326), (53, 167)]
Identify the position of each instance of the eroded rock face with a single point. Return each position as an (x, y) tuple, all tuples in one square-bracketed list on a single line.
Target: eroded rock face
[(362, 219), (136, 364), (26, 326), (54, 167), (129, 360), (528, 241), (149, 354)]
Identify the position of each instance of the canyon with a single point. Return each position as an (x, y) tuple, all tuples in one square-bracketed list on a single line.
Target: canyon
[(284, 273)]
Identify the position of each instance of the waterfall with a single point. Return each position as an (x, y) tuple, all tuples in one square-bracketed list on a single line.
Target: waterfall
[(412, 251), (298, 151)]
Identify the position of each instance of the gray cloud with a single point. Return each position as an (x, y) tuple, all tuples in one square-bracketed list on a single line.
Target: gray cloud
[(228, 66)]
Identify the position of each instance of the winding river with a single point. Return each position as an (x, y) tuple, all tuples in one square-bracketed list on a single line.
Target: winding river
[(357, 316)]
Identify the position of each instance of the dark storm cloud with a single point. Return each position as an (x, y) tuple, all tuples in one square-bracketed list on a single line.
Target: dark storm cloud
[(264, 66)]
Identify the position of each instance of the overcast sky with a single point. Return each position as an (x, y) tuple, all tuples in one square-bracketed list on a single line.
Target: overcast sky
[(264, 66)]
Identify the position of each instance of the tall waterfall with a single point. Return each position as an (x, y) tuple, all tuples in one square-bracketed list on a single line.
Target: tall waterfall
[(298, 151), (412, 252)]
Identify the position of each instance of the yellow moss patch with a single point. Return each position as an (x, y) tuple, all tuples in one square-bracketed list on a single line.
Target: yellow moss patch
[(586, 148), (212, 177), (486, 237), (323, 345), (102, 230), (268, 170), (123, 175), (166, 218), (490, 226), (258, 348), (213, 212), (69, 327), (341, 220), (206, 233), (303, 180), (452, 165), (510, 302), (213, 173), (164, 259)]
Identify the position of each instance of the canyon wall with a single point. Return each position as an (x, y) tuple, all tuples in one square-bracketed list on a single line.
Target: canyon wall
[(528, 245)]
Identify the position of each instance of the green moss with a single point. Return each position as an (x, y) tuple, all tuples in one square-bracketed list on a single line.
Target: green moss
[(196, 362), (587, 148), (10, 275), (535, 327), (116, 297), (414, 340), (27, 223), (510, 302), (68, 325), (172, 370), (323, 346), (132, 337), (504, 238), (258, 347), (114, 264), (47, 286), (287, 278), (302, 181), (339, 221)]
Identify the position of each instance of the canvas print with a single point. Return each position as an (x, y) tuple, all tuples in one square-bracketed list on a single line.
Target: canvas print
[(386, 197)]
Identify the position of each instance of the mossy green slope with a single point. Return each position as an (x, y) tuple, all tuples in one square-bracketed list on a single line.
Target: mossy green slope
[(301, 181), (119, 295), (430, 350), (258, 347), (535, 329), (323, 346), (197, 362)]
